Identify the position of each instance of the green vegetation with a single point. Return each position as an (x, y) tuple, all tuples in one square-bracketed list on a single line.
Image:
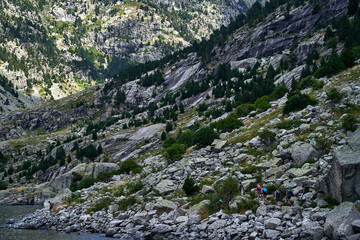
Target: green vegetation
[(227, 190), (175, 152), (84, 183), (267, 137), (129, 166), (332, 202), (298, 102), (349, 123), (249, 170), (290, 124), (310, 160), (127, 202), (227, 125), (190, 187), (89, 152), (3, 185), (204, 137), (334, 95), (103, 203)]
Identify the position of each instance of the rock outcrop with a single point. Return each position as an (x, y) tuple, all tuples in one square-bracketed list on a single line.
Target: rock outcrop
[(339, 221), (342, 181)]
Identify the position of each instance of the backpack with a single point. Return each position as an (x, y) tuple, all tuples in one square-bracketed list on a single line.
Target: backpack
[(264, 190), (277, 193)]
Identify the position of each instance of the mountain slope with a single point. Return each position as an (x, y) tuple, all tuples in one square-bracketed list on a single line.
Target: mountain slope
[(55, 48), (271, 99)]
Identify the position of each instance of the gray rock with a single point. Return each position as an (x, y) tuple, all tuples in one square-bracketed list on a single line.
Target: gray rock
[(207, 189), (217, 224), (301, 152), (165, 186), (356, 225), (163, 205), (272, 234), (161, 228), (341, 183), (272, 223), (338, 221)]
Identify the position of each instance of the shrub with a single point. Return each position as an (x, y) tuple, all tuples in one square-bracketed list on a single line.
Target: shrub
[(204, 137), (349, 123), (227, 190), (279, 91), (168, 142), (86, 183), (289, 124), (73, 198), (298, 102), (331, 201), (227, 124), (249, 170), (247, 204), (73, 187), (334, 95), (128, 166), (103, 203), (169, 127), (262, 104), (3, 185), (309, 82), (125, 203), (76, 176), (267, 137), (202, 107), (186, 138), (104, 176), (175, 151), (190, 187), (242, 111), (134, 187)]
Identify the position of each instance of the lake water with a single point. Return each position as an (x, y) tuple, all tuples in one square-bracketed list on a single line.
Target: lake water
[(7, 212)]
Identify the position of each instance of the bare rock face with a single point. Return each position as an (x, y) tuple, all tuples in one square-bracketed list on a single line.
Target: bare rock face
[(338, 221), (301, 152), (342, 182)]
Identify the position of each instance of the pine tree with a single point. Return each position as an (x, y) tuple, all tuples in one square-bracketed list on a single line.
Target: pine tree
[(181, 107), (169, 127), (163, 136), (353, 7)]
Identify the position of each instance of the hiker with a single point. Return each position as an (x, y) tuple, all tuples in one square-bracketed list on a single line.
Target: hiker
[(22, 193), (288, 196), (51, 206), (264, 193), (277, 197), (258, 189), (241, 188)]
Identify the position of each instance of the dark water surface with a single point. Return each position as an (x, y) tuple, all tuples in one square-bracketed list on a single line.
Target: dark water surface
[(15, 212)]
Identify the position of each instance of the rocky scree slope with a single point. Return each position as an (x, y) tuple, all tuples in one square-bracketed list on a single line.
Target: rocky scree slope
[(51, 49), (300, 149)]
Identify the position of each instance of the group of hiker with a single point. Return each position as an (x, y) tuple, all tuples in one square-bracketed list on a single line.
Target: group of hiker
[(262, 192)]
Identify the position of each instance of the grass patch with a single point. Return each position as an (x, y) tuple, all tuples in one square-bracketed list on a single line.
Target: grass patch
[(330, 201), (310, 160), (103, 203)]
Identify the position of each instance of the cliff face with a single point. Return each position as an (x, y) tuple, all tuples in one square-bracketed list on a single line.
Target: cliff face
[(51, 49)]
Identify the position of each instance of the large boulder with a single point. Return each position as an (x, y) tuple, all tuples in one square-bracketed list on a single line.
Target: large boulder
[(165, 186), (342, 181), (338, 221), (85, 170), (301, 152)]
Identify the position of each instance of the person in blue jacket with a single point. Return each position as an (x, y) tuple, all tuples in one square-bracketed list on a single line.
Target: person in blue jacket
[(277, 196)]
